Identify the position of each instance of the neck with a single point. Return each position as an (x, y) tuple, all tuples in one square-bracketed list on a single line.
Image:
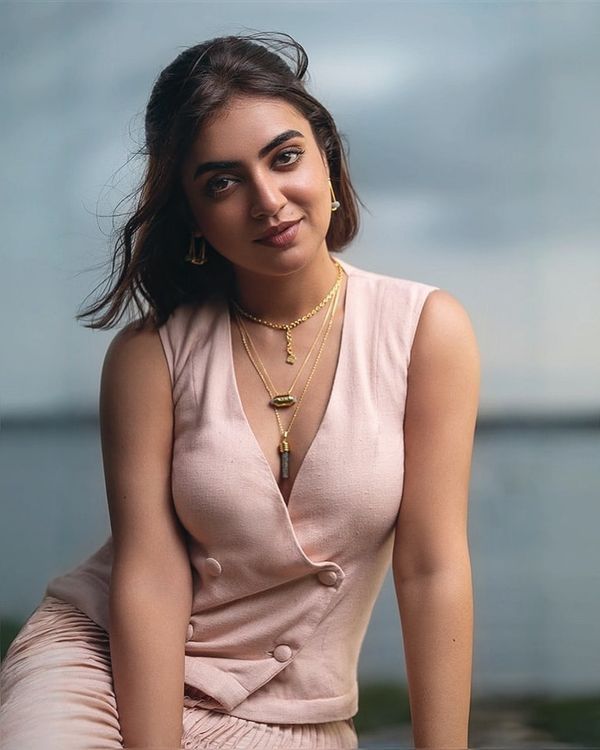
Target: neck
[(288, 297)]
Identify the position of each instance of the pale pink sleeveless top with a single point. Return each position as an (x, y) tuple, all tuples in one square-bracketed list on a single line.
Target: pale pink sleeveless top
[(282, 594)]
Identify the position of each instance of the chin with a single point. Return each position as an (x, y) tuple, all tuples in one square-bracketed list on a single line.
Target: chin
[(282, 260)]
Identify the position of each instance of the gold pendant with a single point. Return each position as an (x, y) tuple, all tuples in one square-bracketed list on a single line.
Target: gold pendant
[(291, 357), (285, 399)]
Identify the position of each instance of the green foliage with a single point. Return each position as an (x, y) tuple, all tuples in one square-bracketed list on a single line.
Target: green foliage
[(573, 719), (8, 630), (381, 704)]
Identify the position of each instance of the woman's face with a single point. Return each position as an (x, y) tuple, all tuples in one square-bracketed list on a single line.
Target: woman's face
[(278, 175)]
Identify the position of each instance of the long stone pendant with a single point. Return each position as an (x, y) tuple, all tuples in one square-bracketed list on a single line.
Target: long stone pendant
[(284, 454), (283, 399)]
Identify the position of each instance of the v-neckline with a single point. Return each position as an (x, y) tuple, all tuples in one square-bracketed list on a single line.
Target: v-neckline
[(336, 385)]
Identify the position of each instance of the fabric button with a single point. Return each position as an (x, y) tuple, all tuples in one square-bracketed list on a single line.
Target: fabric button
[(213, 567), (282, 652), (190, 632), (328, 577)]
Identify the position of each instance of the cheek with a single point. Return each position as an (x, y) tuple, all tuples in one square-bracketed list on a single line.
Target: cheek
[(196, 208), (218, 219), (312, 191)]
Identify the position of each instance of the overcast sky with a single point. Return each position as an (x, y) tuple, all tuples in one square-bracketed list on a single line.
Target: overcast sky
[(473, 131)]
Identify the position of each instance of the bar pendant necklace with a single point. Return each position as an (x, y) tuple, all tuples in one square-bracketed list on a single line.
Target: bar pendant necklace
[(284, 446), (283, 400), (284, 454)]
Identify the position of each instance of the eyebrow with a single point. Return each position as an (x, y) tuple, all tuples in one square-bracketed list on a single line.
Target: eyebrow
[(209, 166)]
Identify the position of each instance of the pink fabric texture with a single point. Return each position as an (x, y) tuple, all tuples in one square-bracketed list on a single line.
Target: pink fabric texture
[(283, 594), (57, 694)]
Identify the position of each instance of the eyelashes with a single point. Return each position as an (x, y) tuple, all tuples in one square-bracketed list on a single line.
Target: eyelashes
[(297, 151), (213, 185)]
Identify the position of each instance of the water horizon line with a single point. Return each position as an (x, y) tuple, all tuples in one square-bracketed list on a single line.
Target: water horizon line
[(486, 420)]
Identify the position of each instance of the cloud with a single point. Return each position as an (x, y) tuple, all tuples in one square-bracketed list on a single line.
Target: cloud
[(360, 74)]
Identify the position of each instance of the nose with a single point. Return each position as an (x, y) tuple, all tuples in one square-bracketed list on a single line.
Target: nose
[(267, 198)]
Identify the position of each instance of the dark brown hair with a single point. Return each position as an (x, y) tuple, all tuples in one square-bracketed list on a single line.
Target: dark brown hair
[(148, 266)]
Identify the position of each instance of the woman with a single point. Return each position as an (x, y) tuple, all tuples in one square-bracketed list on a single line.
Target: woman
[(278, 426)]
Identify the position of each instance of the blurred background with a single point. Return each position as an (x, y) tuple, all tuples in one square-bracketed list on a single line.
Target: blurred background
[(472, 130)]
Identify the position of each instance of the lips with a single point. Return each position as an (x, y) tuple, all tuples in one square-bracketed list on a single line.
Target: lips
[(272, 231), (284, 238)]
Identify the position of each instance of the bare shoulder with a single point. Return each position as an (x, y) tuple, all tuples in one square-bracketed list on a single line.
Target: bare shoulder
[(136, 338), (445, 341), (443, 316), (136, 354), (136, 402)]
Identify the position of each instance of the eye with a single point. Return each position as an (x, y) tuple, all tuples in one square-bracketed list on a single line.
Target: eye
[(212, 186), (297, 152)]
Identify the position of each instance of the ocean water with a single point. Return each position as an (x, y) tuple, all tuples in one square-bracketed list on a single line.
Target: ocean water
[(534, 516)]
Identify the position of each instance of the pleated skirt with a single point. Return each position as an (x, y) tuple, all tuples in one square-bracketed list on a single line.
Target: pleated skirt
[(57, 694)]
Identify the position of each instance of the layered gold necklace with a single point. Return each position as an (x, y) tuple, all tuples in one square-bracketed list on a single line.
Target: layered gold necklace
[(280, 399), (288, 327)]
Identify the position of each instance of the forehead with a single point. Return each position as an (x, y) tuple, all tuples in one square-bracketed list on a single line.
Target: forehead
[(244, 125)]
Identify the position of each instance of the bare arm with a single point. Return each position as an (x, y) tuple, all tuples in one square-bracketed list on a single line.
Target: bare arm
[(151, 586), (431, 562)]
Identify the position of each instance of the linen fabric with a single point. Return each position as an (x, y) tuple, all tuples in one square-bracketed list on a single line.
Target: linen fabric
[(282, 594)]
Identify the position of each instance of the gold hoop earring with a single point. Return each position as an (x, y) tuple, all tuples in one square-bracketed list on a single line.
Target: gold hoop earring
[(195, 255), (335, 204)]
